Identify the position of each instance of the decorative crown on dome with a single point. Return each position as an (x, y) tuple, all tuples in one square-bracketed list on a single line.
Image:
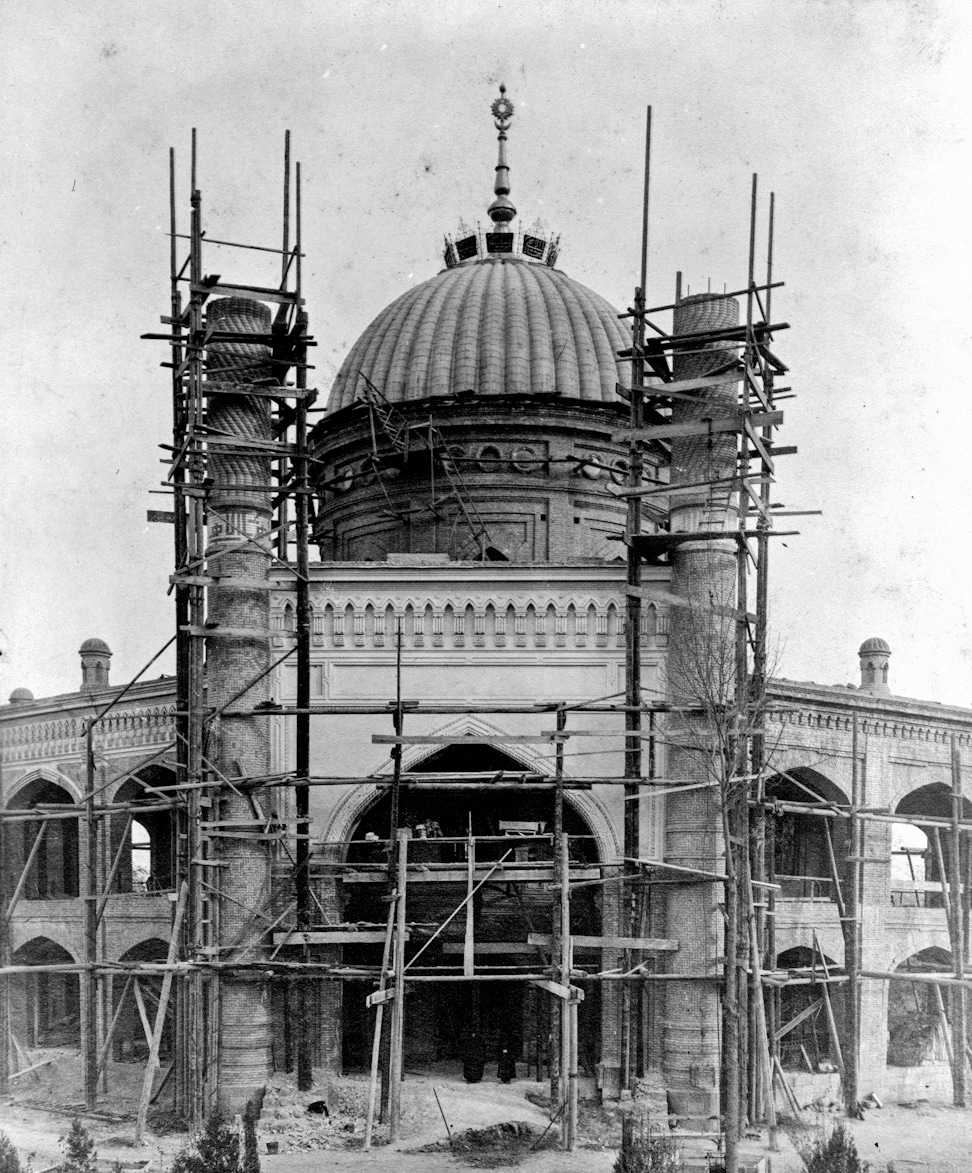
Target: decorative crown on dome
[(470, 246)]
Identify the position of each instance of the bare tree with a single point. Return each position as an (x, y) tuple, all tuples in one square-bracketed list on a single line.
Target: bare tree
[(719, 708)]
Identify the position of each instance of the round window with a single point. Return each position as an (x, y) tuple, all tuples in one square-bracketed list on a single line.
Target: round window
[(525, 459), (490, 458)]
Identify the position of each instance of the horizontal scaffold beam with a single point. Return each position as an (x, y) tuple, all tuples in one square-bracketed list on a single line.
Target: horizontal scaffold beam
[(333, 937), (458, 874), (645, 944)]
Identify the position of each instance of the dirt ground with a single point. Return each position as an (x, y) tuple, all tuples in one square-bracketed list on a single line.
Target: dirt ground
[(921, 1138)]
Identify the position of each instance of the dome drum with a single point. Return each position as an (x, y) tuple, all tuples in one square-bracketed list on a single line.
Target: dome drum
[(537, 475)]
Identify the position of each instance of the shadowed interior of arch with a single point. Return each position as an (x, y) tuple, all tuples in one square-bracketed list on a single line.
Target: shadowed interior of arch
[(45, 1006), (803, 858), (445, 1022), (53, 874), (917, 1027), (809, 1045), (129, 1044), (147, 857)]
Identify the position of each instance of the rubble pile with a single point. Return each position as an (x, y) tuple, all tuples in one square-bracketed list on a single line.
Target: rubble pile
[(329, 1116)]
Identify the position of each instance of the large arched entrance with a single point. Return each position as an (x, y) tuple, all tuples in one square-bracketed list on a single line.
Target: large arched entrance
[(921, 856), (45, 1006), (917, 1026), (144, 840), (807, 847), (50, 845), (807, 1042), (445, 1019), (134, 995)]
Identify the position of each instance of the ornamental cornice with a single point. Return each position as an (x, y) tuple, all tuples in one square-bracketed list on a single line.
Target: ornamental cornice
[(120, 729), (873, 725), (468, 620)]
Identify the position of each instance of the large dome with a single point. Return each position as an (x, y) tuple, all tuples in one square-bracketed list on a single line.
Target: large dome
[(495, 326)]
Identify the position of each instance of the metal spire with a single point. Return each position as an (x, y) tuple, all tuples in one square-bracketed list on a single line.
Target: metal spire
[(501, 210)]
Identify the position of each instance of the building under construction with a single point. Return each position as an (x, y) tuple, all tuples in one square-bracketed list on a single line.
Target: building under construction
[(505, 771)]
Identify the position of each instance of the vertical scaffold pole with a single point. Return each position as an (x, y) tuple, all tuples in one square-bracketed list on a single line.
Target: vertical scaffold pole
[(183, 1076), (959, 1035), (307, 1035), (852, 938), (632, 720), (568, 1068), (558, 928), (396, 1063), (90, 1021), (4, 962)]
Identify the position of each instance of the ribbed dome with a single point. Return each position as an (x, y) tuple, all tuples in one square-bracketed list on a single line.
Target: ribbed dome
[(498, 326), (95, 646), (874, 644)]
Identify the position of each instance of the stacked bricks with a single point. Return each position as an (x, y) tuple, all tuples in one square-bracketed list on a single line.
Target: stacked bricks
[(700, 664), (239, 651)]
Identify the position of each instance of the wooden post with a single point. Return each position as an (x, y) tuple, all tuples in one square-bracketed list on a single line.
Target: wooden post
[(761, 1041), (633, 699), (944, 876), (572, 1090), (852, 937), (379, 1019), (398, 1005), (829, 1010), (90, 984), (153, 1060), (564, 979), (310, 1027), (110, 1032), (557, 928), (469, 941), (959, 1068), (944, 1025), (4, 962)]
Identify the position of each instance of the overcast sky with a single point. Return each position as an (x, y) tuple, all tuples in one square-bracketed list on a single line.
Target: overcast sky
[(856, 112)]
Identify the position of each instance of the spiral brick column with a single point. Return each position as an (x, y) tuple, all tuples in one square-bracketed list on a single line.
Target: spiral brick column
[(701, 648), (238, 651)]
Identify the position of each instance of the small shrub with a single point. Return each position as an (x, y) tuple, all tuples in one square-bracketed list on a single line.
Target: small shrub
[(9, 1161), (646, 1151), (215, 1150), (79, 1150), (836, 1153)]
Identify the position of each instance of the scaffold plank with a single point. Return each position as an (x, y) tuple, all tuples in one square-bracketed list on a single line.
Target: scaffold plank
[(255, 291), (607, 941), (716, 425), (333, 937)]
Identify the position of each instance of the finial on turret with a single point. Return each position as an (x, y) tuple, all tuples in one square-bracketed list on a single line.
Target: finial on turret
[(501, 210)]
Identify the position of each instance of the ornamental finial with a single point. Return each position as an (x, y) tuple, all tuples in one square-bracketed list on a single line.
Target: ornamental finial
[(501, 210)]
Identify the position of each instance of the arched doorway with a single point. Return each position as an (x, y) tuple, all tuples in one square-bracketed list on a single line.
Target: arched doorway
[(147, 862), (45, 1006), (129, 1042), (919, 853), (916, 1017), (53, 872), (442, 1018), (809, 1044), (806, 846)]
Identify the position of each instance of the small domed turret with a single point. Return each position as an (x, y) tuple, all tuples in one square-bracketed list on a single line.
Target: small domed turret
[(874, 653), (95, 662), (21, 696)]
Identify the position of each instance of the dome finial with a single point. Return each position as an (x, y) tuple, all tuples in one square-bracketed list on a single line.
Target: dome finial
[(501, 210)]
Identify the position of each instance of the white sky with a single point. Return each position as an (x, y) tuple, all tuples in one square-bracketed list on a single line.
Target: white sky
[(857, 113)]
